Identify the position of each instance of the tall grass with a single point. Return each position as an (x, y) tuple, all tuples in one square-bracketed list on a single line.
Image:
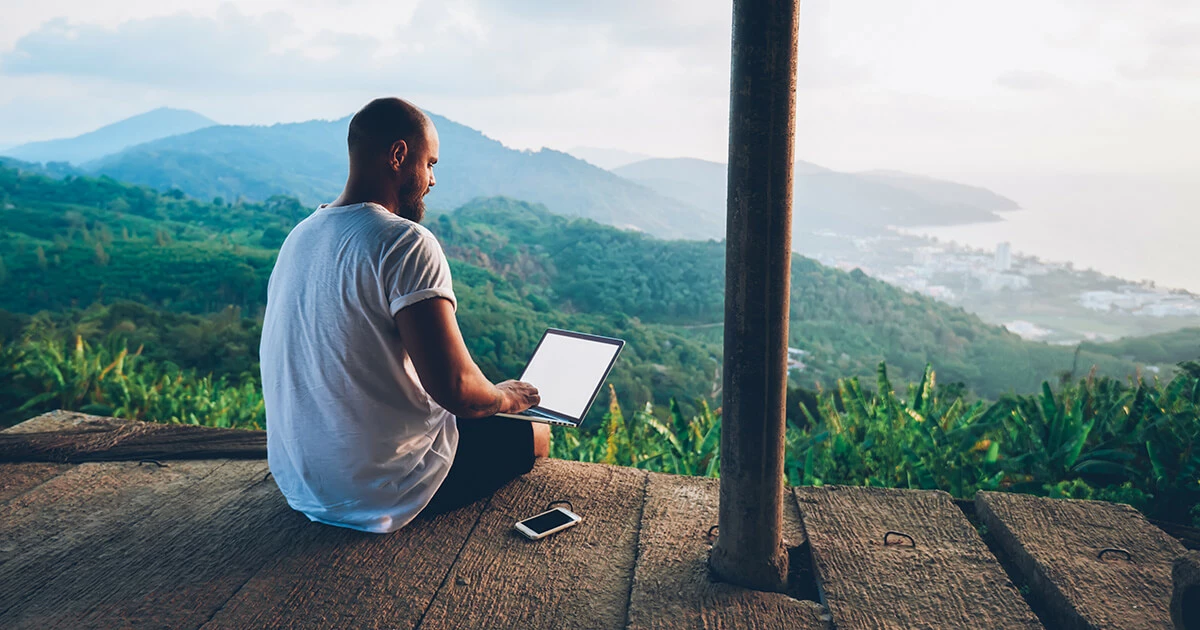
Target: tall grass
[(109, 380), (1131, 441)]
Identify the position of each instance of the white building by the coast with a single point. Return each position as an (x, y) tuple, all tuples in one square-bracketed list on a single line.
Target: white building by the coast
[(1143, 300), (1003, 261)]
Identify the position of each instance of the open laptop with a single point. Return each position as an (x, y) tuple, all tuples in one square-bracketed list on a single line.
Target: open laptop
[(568, 369)]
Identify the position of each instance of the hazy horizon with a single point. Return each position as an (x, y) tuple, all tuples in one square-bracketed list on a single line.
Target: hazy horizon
[(1028, 87), (1006, 97)]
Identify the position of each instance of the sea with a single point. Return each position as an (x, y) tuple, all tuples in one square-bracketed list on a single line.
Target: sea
[(1132, 227)]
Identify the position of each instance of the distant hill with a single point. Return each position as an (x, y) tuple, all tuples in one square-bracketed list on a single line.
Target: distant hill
[(57, 170), (1161, 349), (937, 190), (827, 199), (308, 160), (305, 160), (668, 198), (696, 182), (152, 125), (607, 158)]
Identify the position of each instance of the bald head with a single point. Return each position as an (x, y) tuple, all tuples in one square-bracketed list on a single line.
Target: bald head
[(393, 147), (383, 121)]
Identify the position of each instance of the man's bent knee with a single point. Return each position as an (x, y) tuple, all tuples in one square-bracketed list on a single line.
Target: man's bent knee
[(541, 440)]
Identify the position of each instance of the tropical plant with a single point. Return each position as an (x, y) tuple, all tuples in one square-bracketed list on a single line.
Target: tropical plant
[(111, 381), (676, 444), (925, 439)]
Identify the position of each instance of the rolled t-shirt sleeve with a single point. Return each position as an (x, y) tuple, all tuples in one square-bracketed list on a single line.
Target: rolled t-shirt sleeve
[(416, 269)]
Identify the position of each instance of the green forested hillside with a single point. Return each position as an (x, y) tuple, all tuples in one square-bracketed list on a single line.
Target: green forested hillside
[(1163, 348), (121, 264), (518, 269), (847, 323), (120, 301)]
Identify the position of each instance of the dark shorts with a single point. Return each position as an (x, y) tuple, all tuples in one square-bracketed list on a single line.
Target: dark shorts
[(491, 452)]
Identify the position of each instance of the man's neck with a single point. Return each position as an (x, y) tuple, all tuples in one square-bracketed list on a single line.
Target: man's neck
[(359, 192)]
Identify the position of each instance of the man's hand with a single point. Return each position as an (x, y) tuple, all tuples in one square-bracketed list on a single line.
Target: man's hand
[(518, 396)]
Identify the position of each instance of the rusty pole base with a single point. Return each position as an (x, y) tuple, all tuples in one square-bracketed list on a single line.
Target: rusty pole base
[(730, 567)]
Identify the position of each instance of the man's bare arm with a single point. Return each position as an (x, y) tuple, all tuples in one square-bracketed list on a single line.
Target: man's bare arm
[(431, 336)]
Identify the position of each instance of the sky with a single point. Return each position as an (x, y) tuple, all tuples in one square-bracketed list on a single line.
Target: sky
[(940, 87)]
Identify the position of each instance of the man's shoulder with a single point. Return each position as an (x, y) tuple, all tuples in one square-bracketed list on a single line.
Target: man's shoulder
[(391, 231), (405, 240), (403, 233), (420, 230)]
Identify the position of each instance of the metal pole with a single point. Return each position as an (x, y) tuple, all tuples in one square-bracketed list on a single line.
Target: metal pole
[(749, 549)]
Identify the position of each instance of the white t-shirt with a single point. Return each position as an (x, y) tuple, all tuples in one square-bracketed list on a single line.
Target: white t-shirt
[(353, 439)]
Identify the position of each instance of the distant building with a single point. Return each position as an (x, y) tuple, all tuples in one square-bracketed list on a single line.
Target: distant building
[(796, 359), (1003, 260), (1139, 301), (1003, 281)]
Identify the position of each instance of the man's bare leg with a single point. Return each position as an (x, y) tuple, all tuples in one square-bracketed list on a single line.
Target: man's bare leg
[(541, 439)]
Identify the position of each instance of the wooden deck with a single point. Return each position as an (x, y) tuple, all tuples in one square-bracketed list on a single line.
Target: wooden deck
[(210, 543)]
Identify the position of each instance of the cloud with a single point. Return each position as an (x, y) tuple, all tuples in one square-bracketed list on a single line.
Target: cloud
[(920, 85), (644, 23), (1032, 80), (459, 48), (464, 48), (1173, 52), (175, 50)]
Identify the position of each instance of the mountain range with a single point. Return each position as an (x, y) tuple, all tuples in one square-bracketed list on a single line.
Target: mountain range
[(607, 158), (152, 125), (517, 269), (824, 199), (308, 160), (669, 198)]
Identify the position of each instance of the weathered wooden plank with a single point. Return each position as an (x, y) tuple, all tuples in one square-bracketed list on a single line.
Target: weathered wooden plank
[(169, 558), (87, 498), (578, 578), (61, 420), (671, 585), (948, 580), (206, 549), (69, 436), (1055, 543), (131, 441), (18, 478), (341, 578)]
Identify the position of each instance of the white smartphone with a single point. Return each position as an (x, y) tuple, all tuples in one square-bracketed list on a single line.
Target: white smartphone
[(548, 522)]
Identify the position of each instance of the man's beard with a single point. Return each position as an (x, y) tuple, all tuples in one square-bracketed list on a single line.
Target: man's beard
[(412, 209)]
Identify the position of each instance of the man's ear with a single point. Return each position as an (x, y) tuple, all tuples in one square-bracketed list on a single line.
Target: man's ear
[(398, 155)]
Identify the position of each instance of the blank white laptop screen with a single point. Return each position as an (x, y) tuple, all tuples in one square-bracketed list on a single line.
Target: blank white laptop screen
[(567, 371)]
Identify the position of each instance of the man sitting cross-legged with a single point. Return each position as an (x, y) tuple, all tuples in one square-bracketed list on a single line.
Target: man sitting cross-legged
[(375, 410)]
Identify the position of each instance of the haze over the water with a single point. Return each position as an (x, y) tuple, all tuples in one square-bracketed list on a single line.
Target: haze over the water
[(1027, 87), (1138, 228)]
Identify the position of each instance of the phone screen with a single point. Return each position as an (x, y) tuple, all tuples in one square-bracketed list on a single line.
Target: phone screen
[(545, 522)]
